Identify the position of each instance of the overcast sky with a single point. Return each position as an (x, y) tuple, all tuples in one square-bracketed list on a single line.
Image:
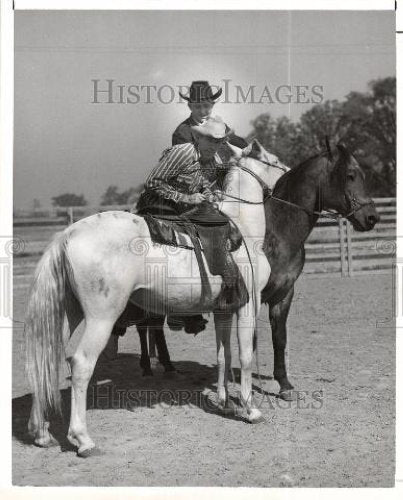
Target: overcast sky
[(64, 142)]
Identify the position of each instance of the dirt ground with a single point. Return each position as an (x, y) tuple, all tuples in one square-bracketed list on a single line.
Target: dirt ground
[(165, 431)]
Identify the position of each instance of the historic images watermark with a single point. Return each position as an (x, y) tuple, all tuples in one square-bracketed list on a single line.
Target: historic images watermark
[(9, 246), (110, 91), (112, 397), (395, 319)]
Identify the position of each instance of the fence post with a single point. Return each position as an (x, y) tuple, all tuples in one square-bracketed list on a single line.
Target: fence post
[(349, 249), (342, 247), (71, 215)]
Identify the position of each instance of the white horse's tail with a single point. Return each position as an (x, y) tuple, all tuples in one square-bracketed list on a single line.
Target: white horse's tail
[(44, 326)]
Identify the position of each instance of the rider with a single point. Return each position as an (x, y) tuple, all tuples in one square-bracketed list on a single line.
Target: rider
[(182, 177), (179, 181), (201, 100)]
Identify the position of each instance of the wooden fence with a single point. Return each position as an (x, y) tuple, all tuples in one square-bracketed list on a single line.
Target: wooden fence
[(333, 246)]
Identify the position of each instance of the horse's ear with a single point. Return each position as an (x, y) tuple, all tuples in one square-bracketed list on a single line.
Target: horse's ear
[(236, 152), (253, 149), (343, 157)]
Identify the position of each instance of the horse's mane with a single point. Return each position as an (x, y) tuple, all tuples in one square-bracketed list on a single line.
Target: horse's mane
[(296, 171)]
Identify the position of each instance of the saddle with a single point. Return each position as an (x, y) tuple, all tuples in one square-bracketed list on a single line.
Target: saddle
[(212, 233)]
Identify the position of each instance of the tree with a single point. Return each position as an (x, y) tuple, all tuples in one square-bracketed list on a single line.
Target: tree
[(69, 200), (277, 136), (264, 130), (370, 120), (364, 122), (110, 197), (315, 124), (286, 141), (113, 197)]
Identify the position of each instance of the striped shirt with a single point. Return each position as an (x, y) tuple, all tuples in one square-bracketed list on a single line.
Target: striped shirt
[(180, 173)]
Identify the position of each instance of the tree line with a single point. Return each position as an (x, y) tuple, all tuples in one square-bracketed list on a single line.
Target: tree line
[(365, 122)]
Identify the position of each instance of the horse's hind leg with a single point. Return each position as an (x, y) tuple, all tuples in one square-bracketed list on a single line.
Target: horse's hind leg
[(156, 331), (93, 341), (151, 343), (145, 363), (39, 430)]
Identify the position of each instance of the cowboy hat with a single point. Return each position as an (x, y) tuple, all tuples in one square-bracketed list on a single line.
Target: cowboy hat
[(212, 127), (201, 91)]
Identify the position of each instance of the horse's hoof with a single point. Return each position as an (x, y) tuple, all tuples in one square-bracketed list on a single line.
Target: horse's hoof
[(255, 416), (258, 420), (90, 452), (288, 395), (225, 409), (148, 373), (48, 442), (154, 361), (169, 368)]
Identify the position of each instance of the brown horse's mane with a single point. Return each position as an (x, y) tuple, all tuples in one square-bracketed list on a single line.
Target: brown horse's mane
[(296, 171)]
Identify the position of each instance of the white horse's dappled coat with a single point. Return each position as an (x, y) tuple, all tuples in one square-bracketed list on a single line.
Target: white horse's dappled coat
[(96, 265)]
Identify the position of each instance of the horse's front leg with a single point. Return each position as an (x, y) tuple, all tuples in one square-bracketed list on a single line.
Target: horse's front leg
[(278, 320), (223, 323), (246, 331)]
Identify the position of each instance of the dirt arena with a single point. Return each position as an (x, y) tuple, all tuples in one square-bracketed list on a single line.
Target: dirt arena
[(163, 431)]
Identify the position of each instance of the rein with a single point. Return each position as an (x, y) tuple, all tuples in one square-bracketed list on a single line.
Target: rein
[(355, 205)]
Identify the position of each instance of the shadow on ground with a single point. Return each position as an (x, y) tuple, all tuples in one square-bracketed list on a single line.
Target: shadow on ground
[(118, 384)]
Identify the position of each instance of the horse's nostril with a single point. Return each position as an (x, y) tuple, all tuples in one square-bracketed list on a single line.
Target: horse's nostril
[(373, 219)]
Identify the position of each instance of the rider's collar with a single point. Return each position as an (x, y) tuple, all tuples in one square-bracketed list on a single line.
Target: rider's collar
[(215, 159)]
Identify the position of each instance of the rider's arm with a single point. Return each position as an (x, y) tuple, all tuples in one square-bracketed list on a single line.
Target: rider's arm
[(167, 169), (207, 188)]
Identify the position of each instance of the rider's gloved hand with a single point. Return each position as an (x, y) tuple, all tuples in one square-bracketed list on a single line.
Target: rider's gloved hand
[(195, 199), (218, 195)]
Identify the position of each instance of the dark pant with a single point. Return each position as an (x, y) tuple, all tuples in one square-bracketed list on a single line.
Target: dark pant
[(151, 203)]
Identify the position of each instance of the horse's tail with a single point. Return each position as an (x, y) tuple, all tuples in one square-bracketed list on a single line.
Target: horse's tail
[(44, 325)]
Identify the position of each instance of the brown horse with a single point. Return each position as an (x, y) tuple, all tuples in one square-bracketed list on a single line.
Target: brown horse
[(329, 181), (332, 180)]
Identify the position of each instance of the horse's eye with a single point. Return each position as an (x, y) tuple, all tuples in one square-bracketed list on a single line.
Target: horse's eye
[(351, 176)]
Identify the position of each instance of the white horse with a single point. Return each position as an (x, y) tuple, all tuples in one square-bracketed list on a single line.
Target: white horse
[(94, 267)]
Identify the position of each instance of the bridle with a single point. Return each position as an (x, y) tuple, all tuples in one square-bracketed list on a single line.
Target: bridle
[(354, 203)]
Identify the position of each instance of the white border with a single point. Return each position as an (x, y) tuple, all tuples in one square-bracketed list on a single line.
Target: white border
[(6, 221), (207, 4), (6, 158), (399, 254)]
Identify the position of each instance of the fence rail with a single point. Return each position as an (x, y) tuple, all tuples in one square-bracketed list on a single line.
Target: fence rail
[(332, 247)]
